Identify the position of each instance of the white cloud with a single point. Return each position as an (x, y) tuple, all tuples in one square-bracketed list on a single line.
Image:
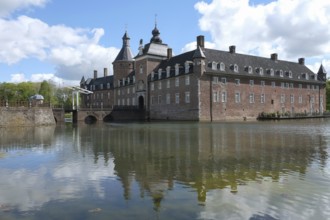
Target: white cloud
[(73, 51), (293, 29), (9, 6), (39, 77)]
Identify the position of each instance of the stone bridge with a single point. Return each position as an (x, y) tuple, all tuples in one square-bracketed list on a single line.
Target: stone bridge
[(106, 115)]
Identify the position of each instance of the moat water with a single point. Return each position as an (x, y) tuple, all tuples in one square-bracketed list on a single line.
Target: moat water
[(233, 170)]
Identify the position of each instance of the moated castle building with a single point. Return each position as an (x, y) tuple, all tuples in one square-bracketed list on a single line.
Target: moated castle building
[(205, 84)]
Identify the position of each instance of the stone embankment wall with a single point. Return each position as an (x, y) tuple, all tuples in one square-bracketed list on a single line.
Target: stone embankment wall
[(22, 116)]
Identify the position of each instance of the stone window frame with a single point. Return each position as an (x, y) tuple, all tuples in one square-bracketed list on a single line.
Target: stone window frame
[(177, 98), (251, 98), (262, 98), (237, 97), (224, 96), (187, 97)]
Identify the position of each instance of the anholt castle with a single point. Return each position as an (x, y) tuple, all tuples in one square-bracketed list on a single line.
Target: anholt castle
[(204, 84)]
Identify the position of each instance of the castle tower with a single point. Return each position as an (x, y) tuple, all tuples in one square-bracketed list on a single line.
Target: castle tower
[(149, 57), (123, 65)]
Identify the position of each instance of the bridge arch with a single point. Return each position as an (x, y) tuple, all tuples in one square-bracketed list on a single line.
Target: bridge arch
[(108, 118), (90, 119)]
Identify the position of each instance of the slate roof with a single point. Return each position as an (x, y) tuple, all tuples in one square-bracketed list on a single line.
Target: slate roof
[(98, 81), (296, 70), (125, 54)]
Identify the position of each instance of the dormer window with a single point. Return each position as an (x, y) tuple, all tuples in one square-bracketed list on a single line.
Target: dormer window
[(290, 74), (260, 70), (271, 72), (159, 73), (186, 67), (214, 65), (235, 68), (248, 69), (108, 85), (152, 75), (176, 69), (168, 71), (281, 73), (222, 66), (306, 76)]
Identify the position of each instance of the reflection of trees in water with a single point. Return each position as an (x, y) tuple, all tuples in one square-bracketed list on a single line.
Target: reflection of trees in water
[(25, 137), (201, 156)]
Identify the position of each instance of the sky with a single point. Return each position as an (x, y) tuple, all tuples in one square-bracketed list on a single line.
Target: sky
[(63, 40)]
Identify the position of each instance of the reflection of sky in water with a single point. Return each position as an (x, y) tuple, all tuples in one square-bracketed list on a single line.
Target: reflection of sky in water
[(171, 171), (34, 176)]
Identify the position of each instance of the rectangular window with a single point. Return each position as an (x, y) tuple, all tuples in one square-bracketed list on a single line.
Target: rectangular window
[(262, 83), (300, 86), (127, 101), (273, 84), (177, 82), (118, 91), (133, 101), (224, 96), (251, 97), (300, 99), (215, 97), (152, 100), (177, 98), (152, 86), (168, 84), (282, 85), (292, 99), (237, 82), (187, 97), (282, 98), (160, 85), (118, 101), (215, 79), (251, 82), (133, 90), (262, 98), (168, 98), (287, 85), (159, 99), (291, 85), (187, 80), (108, 95), (237, 97), (224, 80), (308, 86)]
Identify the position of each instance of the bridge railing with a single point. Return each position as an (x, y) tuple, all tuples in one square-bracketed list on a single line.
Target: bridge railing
[(24, 104)]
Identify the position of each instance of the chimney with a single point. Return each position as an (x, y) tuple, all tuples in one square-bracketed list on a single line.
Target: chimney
[(301, 61), (200, 41), (169, 53), (232, 49), (105, 72), (274, 56), (95, 74)]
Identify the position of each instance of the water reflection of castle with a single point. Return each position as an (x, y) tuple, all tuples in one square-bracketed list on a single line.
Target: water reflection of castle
[(202, 156)]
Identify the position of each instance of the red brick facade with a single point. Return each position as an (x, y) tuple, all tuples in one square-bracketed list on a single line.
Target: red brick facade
[(208, 85)]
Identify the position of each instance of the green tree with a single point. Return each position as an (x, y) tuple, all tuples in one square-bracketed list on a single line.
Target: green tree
[(328, 94)]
